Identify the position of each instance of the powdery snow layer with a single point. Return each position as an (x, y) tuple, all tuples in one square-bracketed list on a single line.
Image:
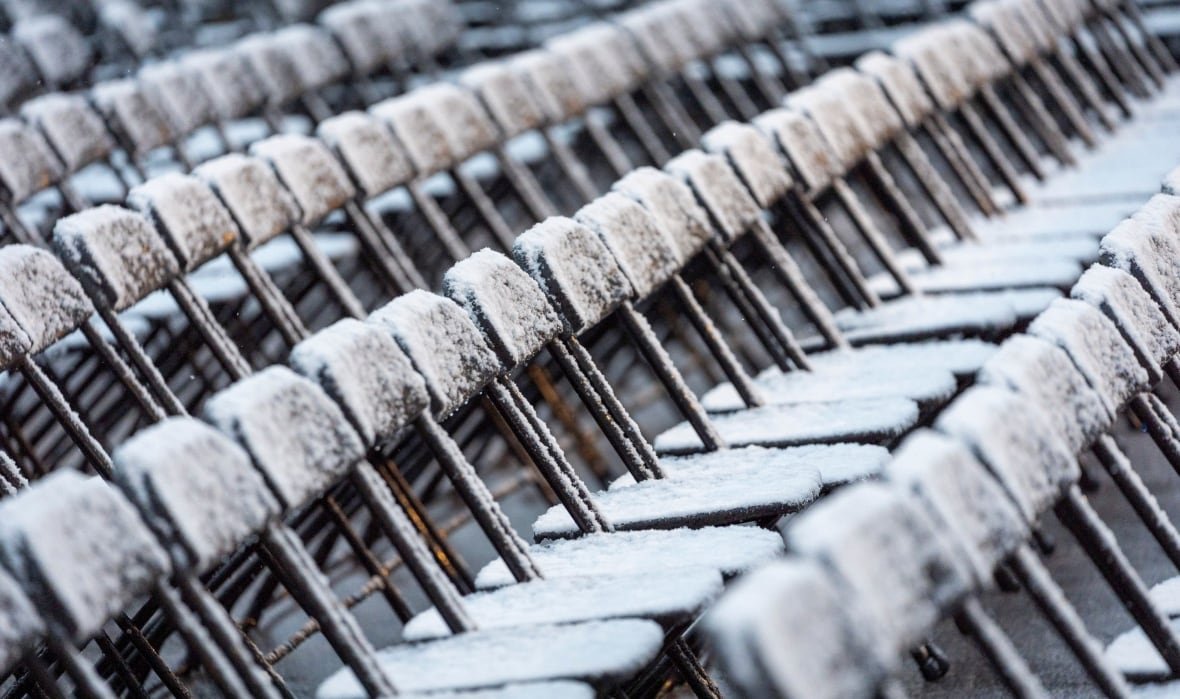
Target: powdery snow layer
[(74, 130), (752, 153), (730, 550), (960, 357), (871, 420), (981, 275), (41, 296), (721, 496), (1117, 294), (597, 652), (667, 599), (188, 214), (250, 190), (1166, 596), (644, 253), (673, 206), (367, 148), (309, 171), (719, 189), (1133, 654), (562, 689), (918, 318)]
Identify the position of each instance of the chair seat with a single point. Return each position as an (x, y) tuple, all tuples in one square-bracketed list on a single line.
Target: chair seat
[(601, 653), (870, 421), (1166, 596), (961, 357), (980, 275), (746, 490), (526, 690), (1078, 248), (667, 599), (729, 550), (1133, 654)]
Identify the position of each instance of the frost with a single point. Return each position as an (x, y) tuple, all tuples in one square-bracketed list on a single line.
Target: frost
[(603, 58), (548, 75), (900, 83), (196, 488), (309, 172), (1008, 28), (419, 132), (127, 108), (443, 343), (73, 129), (295, 434), (643, 251), (505, 96), (361, 367), (227, 79), (368, 150), (250, 190), (672, 204), (115, 253), (803, 144), (177, 91), (14, 342), (717, 187), (317, 60), (189, 216), (41, 296), (1142, 323), (575, 269), (272, 67), (79, 551), (59, 51), (753, 155), (29, 165)]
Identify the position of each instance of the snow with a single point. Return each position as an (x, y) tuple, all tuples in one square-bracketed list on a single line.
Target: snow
[(979, 51), (730, 550), (562, 689), (668, 599), (188, 214), (367, 149), (1140, 320), (943, 78), (135, 25), (1166, 596), (128, 110), (712, 497), (295, 434), (672, 204), (41, 296), (446, 347), (59, 51), (864, 97), (599, 60), (250, 190), (20, 625), (1171, 183), (115, 253), (14, 342), (78, 550), (893, 557), (647, 29), (985, 275), (505, 303), (1145, 256), (1016, 441), (752, 153), (604, 653), (839, 127), (505, 96), (362, 368), (352, 26), (418, 130), (962, 497), (960, 357), (17, 76), (900, 83), (718, 188), (1135, 656), (1097, 349), (272, 68), (1007, 27), (803, 145), (196, 488), (309, 172), (318, 61), (29, 164), (228, 80), (770, 645), (548, 75), (920, 317), (643, 251), (875, 420), (575, 269), (465, 124), (1078, 248), (178, 93)]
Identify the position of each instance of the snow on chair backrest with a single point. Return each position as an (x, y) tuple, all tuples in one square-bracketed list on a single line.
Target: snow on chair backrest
[(1003, 22), (368, 151), (505, 304), (251, 191), (17, 76), (14, 341), (753, 155), (352, 26), (29, 164), (1143, 325), (445, 346), (41, 296), (672, 204), (1016, 441), (1044, 373), (929, 51), (891, 556), (272, 68), (575, 269), (295, 434), (21, 626), (362, 368), (116, 253), (643, 251), (179, 93), (318, 61), (715, 184), (505, 96), (1096, 347), (59, 52), (770, 645), (465, 124), (604, 60), (652, 33), (800, 140), (137, 122), (187, 213), (879, 121), (841, 128), (550, 77), (979, 52), (72, 128), (962, 497), (416, 127), (79, 551), (196, 488), (309, 171), (233, 88), (901, 85)]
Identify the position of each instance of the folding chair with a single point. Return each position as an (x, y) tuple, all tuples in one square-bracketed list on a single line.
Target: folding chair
[(56, 49), (77, 135), (137, 124), (178, 93)]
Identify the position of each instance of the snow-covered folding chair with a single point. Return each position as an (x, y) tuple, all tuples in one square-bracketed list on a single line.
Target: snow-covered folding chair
[(19, 77), (963, 499), (235, 91), (128, 29), (58, 51), (29, 168), (84, 558), (1016, 441), (900, 574), (278, 78), (358, 29), (79, 137), (139, 125), (179, 93), (1068, 20), (1130, 59)]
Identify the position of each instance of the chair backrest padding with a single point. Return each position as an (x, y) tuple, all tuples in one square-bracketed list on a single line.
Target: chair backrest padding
[(505, 95), (803, 144), (29, 164), (754, 156), (550, 76), (178, 92), (71, 126), (901, 85), (126, 106), (642, 249), (274, 70), (309, 171), (418, 130), (467, 127), (228, 80), (41, 296), (368, 151), (732, 208), (196, 225), (259, 203), (672, 204)]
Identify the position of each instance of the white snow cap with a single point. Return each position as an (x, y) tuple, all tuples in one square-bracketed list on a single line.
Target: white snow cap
[(1143, 253), (548, 75), (604, 58), (769, 644), (650, 30), (135, 25), (718, 187), (262, 207), (362, 368), (672, 204), (188, 214), (575, 269), (927, 50), (368, 151), (505, 303), (59, 51), (296, 435), (863, 95), (444, 345), (641, 248), (228, 80), (465, 124), (842, 129), (754, 155), (78, 550), (71, 126), (505, 96), (196, 488), (272, 67), (962, 497), (40, 295), (178, 92), (116, 253), (28, 165), (803, 144), (1001, 19), (900, 83), (310, 173), (141, 125), (352, 26), (419, 131), (317, 59), (20, 624)]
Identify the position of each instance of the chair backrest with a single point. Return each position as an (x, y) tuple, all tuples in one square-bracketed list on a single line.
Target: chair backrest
[(814, 164), (1001, 18), (138, 123), (196, 488), (309, 172), (505, 96), (72, 128), (671, 203), (261, 206), (58, 51), (354, 28), (417, 129), (841, 128), (732, 208), (231, 85), (272, 68), (179, 93), (195, 224), (643, 252), (927, 50), (549, 76), (464, 123), (41, 296), (903, 87), (368, 151), (753, 155), (29, 164), (880, 122), (317, 59), (605, 61)]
